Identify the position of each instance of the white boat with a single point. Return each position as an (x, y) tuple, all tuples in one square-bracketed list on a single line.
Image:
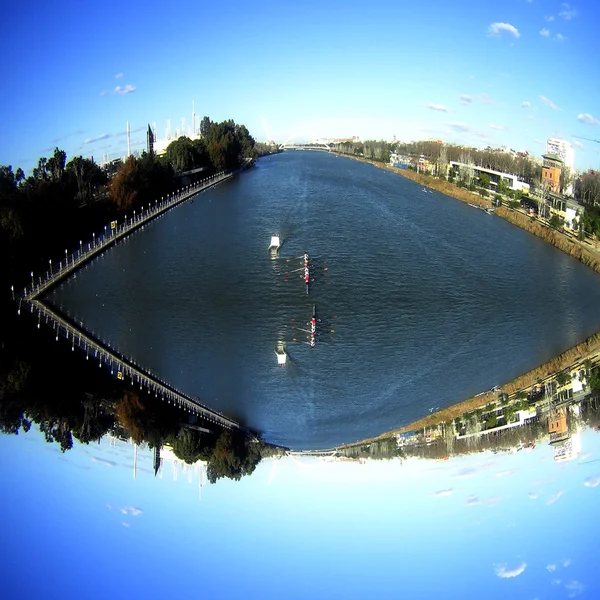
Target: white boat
[(281, 354), (275, 243)]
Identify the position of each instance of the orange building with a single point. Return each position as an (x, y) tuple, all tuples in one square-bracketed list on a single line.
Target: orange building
[(557, 425), (551, 172)]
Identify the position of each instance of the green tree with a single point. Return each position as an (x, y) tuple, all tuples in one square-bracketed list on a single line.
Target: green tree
[(491, 421), (594, 380), (562, 378), (192, 446), (484, 180), (556, 221)]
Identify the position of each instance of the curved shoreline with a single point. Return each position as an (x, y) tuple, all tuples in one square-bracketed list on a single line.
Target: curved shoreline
[(570, 358)]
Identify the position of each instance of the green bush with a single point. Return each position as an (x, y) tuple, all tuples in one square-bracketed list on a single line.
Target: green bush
[(483, 193)]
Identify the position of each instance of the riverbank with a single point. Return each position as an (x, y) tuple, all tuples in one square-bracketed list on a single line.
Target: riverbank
[(570, 359), (562, 241)]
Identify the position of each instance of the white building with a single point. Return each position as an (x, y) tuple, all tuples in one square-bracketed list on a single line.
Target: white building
[(563, 149), (510, 179)]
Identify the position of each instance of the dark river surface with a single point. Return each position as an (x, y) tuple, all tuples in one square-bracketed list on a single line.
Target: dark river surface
[(423, 300)]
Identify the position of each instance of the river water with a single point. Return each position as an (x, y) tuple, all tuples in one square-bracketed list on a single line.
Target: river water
[(423, 301)]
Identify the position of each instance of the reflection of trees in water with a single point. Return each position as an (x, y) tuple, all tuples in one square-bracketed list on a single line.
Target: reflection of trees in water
[(590, 410), (70, 398)]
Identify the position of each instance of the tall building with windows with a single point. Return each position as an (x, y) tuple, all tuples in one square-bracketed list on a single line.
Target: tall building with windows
[(551, 170), (563, 149)]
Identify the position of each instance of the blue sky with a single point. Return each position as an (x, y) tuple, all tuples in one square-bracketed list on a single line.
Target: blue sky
[(458, 71), (518, 526)]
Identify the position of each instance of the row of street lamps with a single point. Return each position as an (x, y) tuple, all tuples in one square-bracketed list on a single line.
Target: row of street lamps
[(114, 230)]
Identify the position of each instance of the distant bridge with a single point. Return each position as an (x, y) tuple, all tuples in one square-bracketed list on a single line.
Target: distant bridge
[(317, 144)]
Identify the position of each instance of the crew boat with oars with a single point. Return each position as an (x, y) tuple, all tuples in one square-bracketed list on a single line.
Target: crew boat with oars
[(306, 271), (313, 328)]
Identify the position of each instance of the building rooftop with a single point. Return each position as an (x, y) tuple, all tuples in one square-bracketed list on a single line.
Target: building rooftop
[(551, 156)]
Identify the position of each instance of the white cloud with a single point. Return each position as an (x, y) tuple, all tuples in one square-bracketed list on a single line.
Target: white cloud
[(465, 100), (460, 127), (549, 103), (532, 496), (526, 104), (555, 582), (545, 32), (109, 506), (131, 510), (91, 141), (472, 501), (554, 498), (568, 12), (125, 524), (506, 573), (549, 19), (119, 76), (439, 107), (441, 493), (501, 128), (559, 37), (587, 118), (551, 567), (496, 28), (592, 481), (493, 500), (575, 588), (486, 99), (126, 89), (566, 562)]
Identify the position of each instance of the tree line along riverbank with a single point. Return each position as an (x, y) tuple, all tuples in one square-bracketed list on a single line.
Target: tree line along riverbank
[(589, 349), (60, 204)]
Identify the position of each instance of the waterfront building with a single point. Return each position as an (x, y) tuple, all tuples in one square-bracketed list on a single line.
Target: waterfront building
[(551, 172), (558, 427), (510, 179), (567, 208)]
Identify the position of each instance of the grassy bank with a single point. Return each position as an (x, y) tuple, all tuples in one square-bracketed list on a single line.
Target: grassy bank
[(589, 348), (573, 248), (433, 183), (559, 240)]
